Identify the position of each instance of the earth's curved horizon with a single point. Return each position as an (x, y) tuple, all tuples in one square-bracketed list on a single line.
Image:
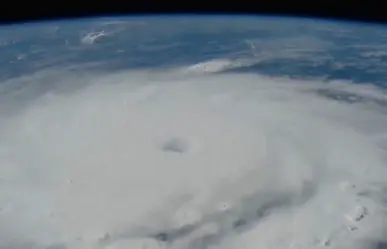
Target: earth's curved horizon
[(193, 132)]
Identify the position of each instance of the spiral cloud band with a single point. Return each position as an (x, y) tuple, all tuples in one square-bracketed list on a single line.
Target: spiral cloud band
[(192, 158)]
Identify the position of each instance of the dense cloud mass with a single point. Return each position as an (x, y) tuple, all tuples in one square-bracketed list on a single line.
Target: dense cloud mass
[(190, 159)]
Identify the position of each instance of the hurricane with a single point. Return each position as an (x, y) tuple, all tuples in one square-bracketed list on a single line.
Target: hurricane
[(190, 156)]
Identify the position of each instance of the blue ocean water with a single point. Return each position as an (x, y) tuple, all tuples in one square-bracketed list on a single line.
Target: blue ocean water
[(278, 46)]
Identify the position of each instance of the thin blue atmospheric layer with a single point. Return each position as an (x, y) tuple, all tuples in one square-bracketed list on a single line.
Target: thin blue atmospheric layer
[(291, 47)]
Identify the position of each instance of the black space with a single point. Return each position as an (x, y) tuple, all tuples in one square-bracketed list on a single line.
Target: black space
[(362, 11)]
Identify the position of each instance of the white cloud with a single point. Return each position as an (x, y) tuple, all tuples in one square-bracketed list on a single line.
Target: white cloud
[(91, 37), (272, 164)]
